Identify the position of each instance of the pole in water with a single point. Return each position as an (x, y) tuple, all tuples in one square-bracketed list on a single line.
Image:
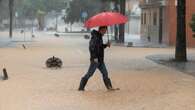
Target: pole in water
[(5, 76), (23, 46)]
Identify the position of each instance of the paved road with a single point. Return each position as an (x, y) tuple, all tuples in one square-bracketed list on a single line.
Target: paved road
[(144, 84)]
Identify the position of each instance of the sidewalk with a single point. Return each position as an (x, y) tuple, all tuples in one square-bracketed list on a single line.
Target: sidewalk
[(133, 40), (6, 41), (167, 60), (137, 42)]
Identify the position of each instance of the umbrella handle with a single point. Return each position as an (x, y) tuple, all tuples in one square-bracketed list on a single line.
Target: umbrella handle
[(108, 37)]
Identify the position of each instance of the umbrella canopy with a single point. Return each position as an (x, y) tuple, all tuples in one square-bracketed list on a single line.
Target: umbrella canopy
[(106, 19)]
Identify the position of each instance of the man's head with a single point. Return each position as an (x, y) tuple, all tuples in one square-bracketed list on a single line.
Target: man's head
[(102, 29)]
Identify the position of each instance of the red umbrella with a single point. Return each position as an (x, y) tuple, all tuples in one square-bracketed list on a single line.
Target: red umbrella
[(106, 19)]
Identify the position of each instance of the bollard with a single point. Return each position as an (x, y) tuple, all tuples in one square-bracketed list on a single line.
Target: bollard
[(23, 46), (130, 44), (33, 36), (57, 35), (5, 75), (86, 36)]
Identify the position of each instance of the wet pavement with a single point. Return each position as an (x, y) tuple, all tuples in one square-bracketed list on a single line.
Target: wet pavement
[(144, 84), (18, 37), (168, 60)]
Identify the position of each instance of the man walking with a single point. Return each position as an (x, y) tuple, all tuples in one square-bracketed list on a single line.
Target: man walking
[(96, 49)]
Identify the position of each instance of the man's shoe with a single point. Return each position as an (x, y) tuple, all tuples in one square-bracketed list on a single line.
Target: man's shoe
[(113, 89), (82, 84), (107, 83), (81, 89)]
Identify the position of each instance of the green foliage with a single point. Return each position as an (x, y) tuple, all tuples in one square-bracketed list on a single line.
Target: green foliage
[(30, 8), (4, 9), (92, 7)]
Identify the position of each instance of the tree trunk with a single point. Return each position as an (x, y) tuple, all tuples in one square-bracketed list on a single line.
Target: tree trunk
[(41, 22), (122, 26), (116, 26), (180, 51), (116, 33), (11, 5)]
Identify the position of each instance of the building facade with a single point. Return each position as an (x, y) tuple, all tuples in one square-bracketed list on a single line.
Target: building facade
[(159, 21), (133, 12)]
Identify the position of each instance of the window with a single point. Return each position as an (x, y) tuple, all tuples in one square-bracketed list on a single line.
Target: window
[(155, 18), (142, 18), (145, 18), (146, 1)]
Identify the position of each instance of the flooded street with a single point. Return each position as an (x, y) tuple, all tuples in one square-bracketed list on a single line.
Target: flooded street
[(144, 85)]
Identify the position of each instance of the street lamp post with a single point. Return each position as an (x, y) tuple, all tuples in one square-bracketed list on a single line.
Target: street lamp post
[(122, 26), (16, 16), (11, 4), (56, 22)]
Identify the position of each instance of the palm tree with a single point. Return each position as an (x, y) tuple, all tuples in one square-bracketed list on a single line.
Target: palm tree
[(180, 50)]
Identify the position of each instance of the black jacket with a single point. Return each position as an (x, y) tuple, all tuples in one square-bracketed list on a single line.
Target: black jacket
[(96, 46)]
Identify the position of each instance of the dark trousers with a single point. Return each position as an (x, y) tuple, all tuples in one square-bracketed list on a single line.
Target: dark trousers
[(93, 66)]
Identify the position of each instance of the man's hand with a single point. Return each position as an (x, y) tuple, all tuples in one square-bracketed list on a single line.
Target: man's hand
[(109, 44), (95, 60)]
